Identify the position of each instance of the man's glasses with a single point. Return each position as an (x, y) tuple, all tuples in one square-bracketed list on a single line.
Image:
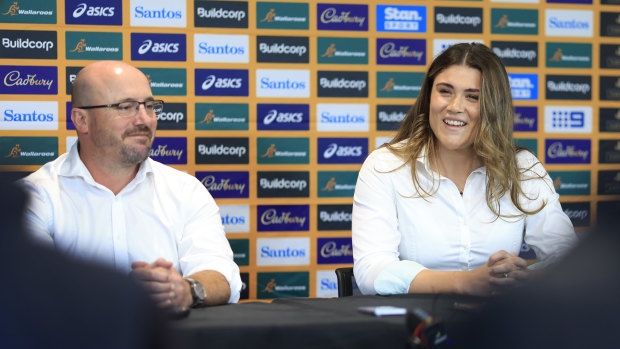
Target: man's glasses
[(130, 108)]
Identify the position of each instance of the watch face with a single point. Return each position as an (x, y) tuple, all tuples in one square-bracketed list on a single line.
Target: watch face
[(198, 292)]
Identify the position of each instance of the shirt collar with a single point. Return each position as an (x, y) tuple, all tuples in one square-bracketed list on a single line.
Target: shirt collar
[(74, 167), (424, 161)]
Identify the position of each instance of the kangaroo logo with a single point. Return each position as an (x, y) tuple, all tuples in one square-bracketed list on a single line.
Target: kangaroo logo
[(269, 17), (80, 46), (14, 152), (12, 10), (388, 85), (208, 118), (331, 184), (270, 151), (330, 51)]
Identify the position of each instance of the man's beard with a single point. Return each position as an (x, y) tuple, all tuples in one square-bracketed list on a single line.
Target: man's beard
[(131, 155)]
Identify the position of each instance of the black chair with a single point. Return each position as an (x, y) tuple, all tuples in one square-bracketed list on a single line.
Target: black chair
[(346, 282)]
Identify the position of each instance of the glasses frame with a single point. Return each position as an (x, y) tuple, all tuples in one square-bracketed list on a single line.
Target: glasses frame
[(116, 105)]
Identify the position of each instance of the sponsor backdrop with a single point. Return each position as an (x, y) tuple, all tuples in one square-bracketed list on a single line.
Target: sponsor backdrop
[(274, 105)]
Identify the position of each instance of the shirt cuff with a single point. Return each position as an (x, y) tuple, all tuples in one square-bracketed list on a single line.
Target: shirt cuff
[(396, 277)]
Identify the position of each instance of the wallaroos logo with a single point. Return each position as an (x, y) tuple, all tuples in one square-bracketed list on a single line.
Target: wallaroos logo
[(12, 9), (79, 47), (14, 153)]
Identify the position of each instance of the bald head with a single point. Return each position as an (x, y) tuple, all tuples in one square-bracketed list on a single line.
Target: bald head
[(99, 82)]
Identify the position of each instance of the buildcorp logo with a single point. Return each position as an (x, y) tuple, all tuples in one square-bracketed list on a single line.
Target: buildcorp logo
[(283, 184), (221, 14), (342, 150), (389, 117), (342, 83), (458, 20), (225, 185), (284, 117), (158, 47), (28, 44), (335, 217), (569, 87), (283, 218), (578, 212), (89, 12), (516, 54), (221, 82), (211, 150), (282, 49), (173, 117)]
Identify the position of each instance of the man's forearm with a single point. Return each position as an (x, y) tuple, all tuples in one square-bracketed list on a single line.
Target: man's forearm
[(216, 286)]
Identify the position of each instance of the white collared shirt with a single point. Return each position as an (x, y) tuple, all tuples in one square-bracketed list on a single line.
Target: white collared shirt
[(396, 235), (162, 212)]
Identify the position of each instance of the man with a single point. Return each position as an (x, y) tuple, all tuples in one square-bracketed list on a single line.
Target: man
[(106, 200)]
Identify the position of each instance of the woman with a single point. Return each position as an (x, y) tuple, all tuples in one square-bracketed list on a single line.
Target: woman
[(446, 205)]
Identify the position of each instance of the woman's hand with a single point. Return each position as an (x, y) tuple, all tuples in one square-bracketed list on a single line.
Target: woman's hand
[(507, 270)]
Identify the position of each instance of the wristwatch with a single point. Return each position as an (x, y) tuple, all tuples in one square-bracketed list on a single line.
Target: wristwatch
[(198, 292)]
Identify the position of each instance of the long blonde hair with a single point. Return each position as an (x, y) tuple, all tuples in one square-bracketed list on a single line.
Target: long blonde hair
[(493, 143)]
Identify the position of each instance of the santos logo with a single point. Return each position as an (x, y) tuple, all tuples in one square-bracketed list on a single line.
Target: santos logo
[(282, 251), (221, 149), (28, 115), (221, 48), (282, 83), (93, 11), (158, 13), (568, 23), (342, 117), (235, 218)]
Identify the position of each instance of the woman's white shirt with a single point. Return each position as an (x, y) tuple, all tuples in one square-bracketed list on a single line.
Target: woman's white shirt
[(397, 234)]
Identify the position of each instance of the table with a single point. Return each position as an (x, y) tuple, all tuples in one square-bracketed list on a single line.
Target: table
[(316, 322)]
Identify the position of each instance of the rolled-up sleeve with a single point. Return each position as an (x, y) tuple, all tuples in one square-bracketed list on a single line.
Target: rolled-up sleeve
[(375, 233), (203, 244), (549, 232)]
